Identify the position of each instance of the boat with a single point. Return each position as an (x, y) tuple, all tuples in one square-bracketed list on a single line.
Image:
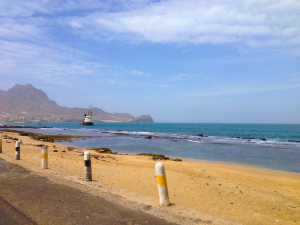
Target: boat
[(88, 120)]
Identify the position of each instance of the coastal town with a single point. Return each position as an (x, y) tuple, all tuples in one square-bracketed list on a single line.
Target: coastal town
[(27, 117)]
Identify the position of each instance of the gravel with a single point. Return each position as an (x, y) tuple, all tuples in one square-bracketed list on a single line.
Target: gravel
[(6, 167)]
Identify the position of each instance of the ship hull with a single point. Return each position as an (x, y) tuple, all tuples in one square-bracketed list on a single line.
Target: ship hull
[(87, 123)]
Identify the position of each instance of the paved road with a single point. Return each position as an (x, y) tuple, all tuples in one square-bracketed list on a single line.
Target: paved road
[(26, 197), (9, 215)]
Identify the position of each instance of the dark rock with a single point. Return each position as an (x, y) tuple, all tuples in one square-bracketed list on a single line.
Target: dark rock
[(293, 141), (200, 135), (55, 150), (263, 139), (148, 137), (39, 145), (248, 138), (122, 134), (142, 119)]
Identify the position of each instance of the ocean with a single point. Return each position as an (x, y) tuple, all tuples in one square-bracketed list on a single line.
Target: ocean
[(271, 146)]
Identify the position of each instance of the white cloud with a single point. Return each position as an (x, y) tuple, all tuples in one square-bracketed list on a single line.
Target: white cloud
[(44, 64), (199, 21), (241, 88), (22, 8), (182, 77), (139, 73)]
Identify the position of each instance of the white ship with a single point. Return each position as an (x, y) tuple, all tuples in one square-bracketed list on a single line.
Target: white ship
[(88, 120)]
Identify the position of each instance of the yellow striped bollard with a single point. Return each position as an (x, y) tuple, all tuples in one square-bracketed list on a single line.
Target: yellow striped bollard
[(45, 157), (18, 153), (0, 145), (162, 184)]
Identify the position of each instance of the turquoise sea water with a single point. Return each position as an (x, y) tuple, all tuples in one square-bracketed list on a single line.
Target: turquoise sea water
[(226, 143)]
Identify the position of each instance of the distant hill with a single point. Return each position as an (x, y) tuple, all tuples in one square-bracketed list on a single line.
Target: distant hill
[(33, 104)]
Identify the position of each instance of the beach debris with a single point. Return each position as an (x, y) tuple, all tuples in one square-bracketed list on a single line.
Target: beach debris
[(55, 150), (146, 207), (104, 150), (177, 160), (63, 151), (70, 148), (40, 146), (197, 220), (156, 156), (97, 156)]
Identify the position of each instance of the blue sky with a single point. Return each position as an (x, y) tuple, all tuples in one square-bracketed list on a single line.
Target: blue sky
[(219, 61)]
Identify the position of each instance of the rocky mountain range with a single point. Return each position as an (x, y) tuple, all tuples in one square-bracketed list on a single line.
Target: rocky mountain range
[(27, 103)]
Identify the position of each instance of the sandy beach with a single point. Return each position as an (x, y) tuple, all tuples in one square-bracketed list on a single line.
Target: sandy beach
[(241, 194)]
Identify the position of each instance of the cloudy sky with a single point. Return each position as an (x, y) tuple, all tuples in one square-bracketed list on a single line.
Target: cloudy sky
[(216, 61)]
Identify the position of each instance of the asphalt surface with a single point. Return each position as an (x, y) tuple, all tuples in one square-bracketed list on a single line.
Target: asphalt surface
[(27, 198), (9, 215)]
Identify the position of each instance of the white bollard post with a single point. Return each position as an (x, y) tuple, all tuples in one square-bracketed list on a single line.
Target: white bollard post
[(18, 150), (0, 145), (88, 166), (45, 157), (162, 184)]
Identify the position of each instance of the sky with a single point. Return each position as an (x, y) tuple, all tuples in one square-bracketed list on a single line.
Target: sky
[(191, 61)]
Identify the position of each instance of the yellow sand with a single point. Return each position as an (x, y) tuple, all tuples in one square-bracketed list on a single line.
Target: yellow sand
[(241, 194)]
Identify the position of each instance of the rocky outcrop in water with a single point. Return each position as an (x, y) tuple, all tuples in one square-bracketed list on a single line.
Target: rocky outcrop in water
[(142, 119)]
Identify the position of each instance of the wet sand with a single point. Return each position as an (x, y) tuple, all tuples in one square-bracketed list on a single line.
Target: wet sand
[(241, 194)]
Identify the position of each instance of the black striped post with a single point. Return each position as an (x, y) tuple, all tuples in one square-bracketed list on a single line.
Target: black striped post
[(88, 166), (18, 150), (0, 145)]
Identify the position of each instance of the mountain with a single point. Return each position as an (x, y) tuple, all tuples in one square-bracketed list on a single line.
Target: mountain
[(31, 104)]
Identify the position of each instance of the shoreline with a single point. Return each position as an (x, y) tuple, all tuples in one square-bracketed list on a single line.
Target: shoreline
[(118, 133), (240, 194)]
